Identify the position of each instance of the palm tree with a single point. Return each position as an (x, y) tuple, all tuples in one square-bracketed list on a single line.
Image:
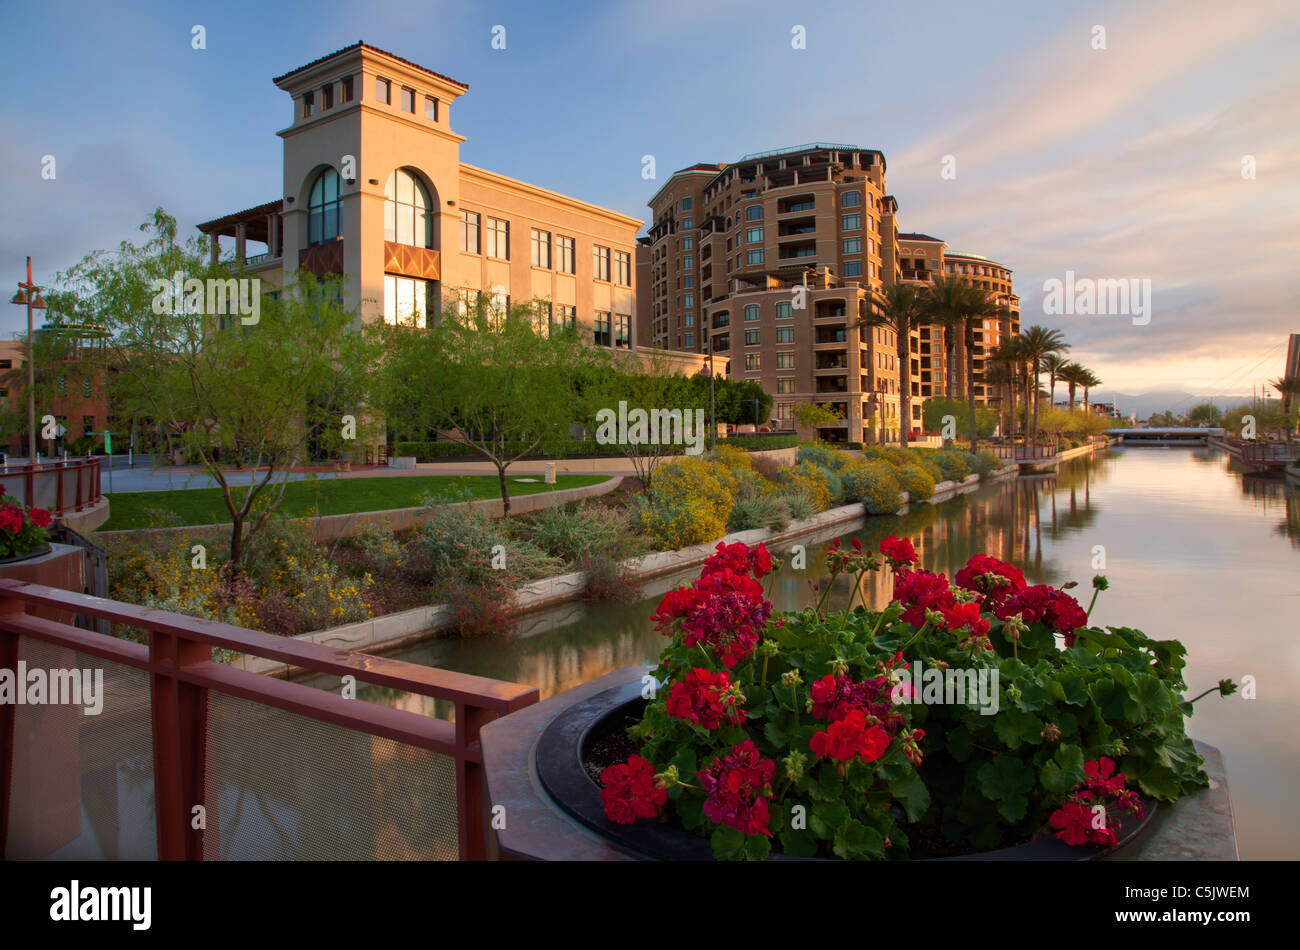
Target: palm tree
[(898, 309), (1053, 363), (1288, 387), (998, 374), (1072, 374), (960, 304), (1008, 357), (1038, 342), (1089, 381)]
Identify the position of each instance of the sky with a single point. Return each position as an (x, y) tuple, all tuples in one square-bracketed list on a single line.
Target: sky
[(1122, 162)]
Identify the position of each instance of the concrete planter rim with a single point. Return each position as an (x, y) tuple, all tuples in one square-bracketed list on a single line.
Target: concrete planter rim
[(30, 555), (558, 756)]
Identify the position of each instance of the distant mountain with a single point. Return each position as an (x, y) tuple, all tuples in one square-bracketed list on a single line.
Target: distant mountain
[(1142, 405)]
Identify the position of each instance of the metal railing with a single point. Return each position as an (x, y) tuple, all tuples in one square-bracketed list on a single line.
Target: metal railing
[(191, 708), (59, 486)]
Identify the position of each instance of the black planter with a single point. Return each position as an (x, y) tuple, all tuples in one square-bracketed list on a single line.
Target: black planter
[(39, 552), (559, 766)]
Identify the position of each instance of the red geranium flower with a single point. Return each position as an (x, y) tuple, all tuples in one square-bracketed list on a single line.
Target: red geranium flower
[(920, 591), (40, 517), (851, 738), (1074, 821), (11, 518), (738, 788), (725, 611), (702, 698), (631, 791), (1048, 605), (995, 580), (898, 551), (738, 558)]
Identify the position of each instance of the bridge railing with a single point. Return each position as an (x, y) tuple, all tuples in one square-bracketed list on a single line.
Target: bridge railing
[(59, 486), (189, 758)]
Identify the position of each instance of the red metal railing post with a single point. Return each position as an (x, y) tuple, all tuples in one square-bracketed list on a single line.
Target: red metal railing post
[(180, 749), (8, 716), (59, 468), (29, 483), (471, 790)]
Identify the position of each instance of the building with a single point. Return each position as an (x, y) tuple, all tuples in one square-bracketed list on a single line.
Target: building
[(1292, 367), (374, 189), (71, 386), (772, 259)]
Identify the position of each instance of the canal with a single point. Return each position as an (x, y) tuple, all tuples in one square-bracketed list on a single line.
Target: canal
[(1194, 548)]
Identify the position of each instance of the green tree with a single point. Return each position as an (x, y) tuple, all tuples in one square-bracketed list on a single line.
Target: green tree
[(1053, 363), (934, 410), (225, 391), (498, 380), (814, 415), (899, 309), (1289, 388), (1038, 342), (1206, 413)]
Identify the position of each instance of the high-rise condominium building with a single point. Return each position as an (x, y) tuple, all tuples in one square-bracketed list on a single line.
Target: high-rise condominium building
[(772, 259)]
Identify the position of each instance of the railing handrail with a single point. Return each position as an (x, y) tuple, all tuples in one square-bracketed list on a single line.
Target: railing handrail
[(179, 662)]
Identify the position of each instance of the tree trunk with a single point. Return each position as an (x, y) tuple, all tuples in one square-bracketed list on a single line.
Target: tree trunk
[(905, 397), (236, 542), (970, 388), (505, 492)]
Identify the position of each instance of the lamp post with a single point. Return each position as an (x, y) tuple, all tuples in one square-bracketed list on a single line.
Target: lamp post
[(713, 421), (30, 294)]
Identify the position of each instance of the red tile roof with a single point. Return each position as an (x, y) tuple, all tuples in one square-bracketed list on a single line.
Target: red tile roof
[(361, 44), (912, 236)]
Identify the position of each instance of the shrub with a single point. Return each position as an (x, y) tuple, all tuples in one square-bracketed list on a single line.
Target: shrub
[(762, 443), (687, 504), (734, 458), (875, 485), (800, 505), (916, 480), (807, 479), (573, 532), (750, 484), (751, 512), (952, 465), (823, 456), (467, 544), (610, 580), (986, 462)]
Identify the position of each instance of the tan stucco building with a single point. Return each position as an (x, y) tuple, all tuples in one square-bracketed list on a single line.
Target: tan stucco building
[(374, 189)]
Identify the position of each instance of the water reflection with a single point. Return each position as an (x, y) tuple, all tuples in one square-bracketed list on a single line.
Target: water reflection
[(1194, 550)]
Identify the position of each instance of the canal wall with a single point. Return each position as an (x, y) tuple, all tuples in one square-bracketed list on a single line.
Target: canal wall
[(393, 631)]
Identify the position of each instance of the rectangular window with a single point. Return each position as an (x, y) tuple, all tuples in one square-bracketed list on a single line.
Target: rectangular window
[(753, 235), (722, 343), (469, 233), (431, 108), (853, 268), (722, 319), (408, 100), (327, 96), (599, 263), (541, 248), (689, 320), (601, 335), (87, 424), (752, 337), (383, 91), (852, 245), (784, 310), (751, 312), (851, 199), (87, 389), (688, 222), (345, 93), (851, 222), (785, 334), (690, 339), (564, 250), (785, 386), (688, 243), (308, 104), (751, 361), (754, 257), (785, 361), (753, 213), (785, 411), (688, 261), (623, 268), (688, 280), (567, 316), (686, 204), (498, 238), (622, 330), (407, 302), (689, 300)]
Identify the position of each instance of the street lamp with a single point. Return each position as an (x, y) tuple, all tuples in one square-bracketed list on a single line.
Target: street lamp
[(30, 294), (713, 419)]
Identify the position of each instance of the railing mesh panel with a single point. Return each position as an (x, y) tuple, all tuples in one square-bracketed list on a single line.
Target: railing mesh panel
[(83, 784), (288, 787)]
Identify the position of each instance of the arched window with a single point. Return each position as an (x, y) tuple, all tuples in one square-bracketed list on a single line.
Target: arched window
[(324, 209), (406, 211)]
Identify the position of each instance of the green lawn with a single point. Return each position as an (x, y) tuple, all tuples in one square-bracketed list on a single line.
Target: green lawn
[(334, 496)]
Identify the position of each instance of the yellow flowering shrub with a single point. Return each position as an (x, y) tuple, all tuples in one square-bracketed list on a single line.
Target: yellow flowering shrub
[(688, 503), (808, 480)]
